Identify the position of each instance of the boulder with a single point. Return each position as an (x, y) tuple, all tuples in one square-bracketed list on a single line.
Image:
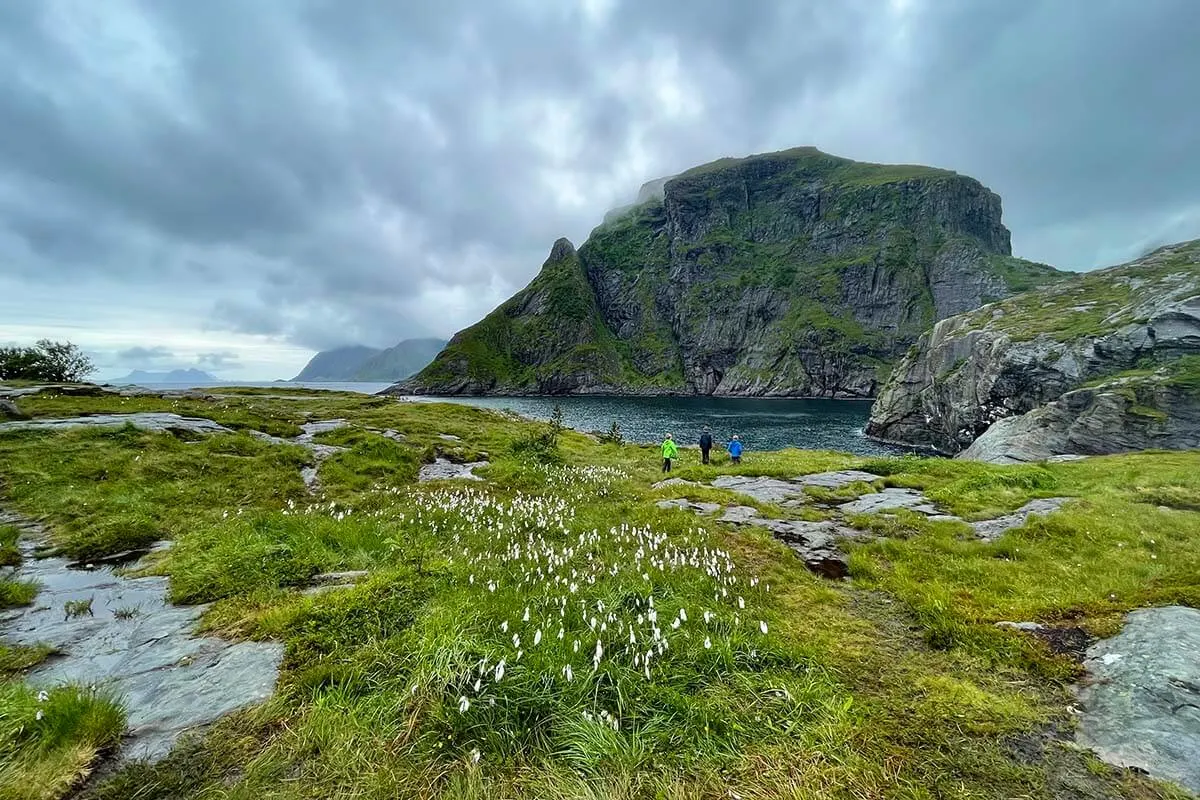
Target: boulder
[(1140, 704)]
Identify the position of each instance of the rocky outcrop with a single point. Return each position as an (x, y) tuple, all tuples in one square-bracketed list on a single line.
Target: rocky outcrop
[(787, 274), (1140, 706), (1106, 362)]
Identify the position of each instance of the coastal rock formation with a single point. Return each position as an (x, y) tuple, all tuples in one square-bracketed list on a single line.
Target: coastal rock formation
[(1106, 362), (787, 274)]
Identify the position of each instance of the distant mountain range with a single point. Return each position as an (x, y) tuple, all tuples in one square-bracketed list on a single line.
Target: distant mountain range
[(360, 363), (192, 376)]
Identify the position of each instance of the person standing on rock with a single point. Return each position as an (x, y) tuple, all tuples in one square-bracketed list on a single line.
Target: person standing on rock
[(669, 451), (735, 449), (705, 445)]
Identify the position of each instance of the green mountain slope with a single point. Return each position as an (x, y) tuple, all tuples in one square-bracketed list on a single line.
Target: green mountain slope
[(791, 273), (397, 363)]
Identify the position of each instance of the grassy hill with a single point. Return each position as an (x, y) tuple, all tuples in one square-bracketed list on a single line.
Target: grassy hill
[(895, 683)]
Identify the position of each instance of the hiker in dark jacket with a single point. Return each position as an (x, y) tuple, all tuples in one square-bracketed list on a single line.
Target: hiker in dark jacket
[(705, 445)]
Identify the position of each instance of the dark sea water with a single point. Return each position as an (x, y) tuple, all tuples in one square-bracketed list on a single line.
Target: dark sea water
[(762, 424)]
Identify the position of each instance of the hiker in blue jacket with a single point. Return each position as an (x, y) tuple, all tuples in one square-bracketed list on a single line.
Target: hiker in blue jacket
[(735, 450)]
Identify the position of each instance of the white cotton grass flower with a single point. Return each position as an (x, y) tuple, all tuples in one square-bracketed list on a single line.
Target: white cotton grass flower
[(475, 756), (762, 625), (526, 617), (38, 716), (500, 671), (707, 643), (504, 626), (537, 637), (43, 696), (567, 673), (463, 704)]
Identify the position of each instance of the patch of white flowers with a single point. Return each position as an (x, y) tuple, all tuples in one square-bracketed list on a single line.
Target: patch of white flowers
[(571, 591)]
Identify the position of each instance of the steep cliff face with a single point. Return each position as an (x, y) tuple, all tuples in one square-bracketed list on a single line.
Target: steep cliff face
[(794, 273), (1108, 361)]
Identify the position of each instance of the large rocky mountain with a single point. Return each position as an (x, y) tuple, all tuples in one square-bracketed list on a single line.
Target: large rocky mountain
[(794, 273), (1106, 362), (361, 363)]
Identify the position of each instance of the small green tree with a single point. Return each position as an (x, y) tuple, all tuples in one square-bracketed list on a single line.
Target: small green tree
[(613, 435), (55, 362)]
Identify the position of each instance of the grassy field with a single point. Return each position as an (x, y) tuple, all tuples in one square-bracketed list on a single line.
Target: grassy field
[(551, 633)]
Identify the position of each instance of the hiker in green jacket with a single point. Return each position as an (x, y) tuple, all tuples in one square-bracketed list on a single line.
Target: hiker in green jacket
[(669, 451)]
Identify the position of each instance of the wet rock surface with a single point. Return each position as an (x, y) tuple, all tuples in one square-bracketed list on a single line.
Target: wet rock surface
[(135, 643), (1141, 703), (443, 470), (991, 529)]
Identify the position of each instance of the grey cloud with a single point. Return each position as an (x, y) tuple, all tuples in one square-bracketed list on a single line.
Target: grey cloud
[(220, 360), (144, 355), (338, 172)]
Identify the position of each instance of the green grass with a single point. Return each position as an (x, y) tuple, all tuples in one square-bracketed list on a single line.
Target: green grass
[(896, 684), (49, 741), (1098, 302), (9, 555), (15, 659), (16, 593)]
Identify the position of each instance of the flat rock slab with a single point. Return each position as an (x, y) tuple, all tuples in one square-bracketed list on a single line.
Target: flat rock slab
[(72, 389), (311, 429), (891, 500), (150, 421), (837, 479), (688, 505), (1141, 703), (991, 529), (764, 490), (443, 470), (168, 679), (814, 542)]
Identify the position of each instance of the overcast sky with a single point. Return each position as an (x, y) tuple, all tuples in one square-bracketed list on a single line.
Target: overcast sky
[(235, 183)]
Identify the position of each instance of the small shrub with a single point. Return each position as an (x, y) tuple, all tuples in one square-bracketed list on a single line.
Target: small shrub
[(613, 435), (77, 608), (541, 443)]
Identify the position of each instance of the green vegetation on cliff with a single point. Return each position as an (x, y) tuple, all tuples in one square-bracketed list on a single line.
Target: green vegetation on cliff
[(893, 684), (1097, 303), (743, 278)]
